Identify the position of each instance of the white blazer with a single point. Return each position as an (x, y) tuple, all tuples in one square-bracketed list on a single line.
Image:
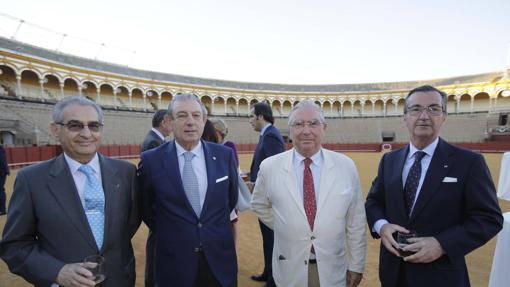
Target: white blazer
[(339, 235)]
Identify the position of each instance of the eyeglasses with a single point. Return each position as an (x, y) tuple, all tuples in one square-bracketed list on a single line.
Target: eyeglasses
[(311, 124), (433, 110), (77, 126)]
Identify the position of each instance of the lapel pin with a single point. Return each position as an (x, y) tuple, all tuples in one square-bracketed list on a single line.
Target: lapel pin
[(445, 166), (214, 158)]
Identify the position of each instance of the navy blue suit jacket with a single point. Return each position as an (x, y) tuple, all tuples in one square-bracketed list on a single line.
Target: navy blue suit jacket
[(270, 143), (461, 215), (180, 233)]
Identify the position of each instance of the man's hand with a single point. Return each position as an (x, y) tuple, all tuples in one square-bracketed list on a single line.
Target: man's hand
[(353, 278), (428, 249), (74, 275), (387, 239), (250, 186)]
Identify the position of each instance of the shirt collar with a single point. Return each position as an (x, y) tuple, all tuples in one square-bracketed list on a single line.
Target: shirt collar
[(161, 136), (316, 158), (197, 150), (263, 130), (429, 150), (75, 165)]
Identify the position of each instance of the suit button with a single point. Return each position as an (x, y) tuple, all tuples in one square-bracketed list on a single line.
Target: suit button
[(199, 225), (312, 238)]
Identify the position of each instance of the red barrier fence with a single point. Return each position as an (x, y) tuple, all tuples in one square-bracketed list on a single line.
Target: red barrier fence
[(25, 155)]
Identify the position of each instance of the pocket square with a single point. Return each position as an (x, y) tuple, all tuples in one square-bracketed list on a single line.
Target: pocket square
[(222, 179), (449, 179)]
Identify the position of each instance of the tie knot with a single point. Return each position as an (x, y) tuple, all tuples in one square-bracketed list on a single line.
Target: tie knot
[(308, 162), (188, 156), (419, 155), (87, 170)]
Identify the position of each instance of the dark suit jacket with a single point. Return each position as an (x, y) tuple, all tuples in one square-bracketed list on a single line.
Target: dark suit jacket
[(461, 215), (47, 226), (151, 141), (4, 168), (180, 233), (270, 143)]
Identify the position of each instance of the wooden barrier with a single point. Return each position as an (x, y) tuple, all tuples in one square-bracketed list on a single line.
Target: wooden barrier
[(26, 155)]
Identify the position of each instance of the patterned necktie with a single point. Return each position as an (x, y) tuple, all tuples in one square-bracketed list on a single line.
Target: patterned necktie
[(412, 181), (93, 196), (309, 193), (190, 183)]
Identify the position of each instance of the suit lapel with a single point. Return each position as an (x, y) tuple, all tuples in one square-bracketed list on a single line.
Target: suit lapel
[(210, 165), (63, 188), (396, 185), (327, 180), (291, 183), (438, 169), (171, 164), (111, 185)]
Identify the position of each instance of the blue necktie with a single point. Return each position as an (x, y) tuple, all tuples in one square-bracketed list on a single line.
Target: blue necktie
[(412, 181), (93, 196), (190, 183)]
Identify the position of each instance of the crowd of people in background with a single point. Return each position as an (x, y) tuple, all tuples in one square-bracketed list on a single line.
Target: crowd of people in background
[(430, 204)]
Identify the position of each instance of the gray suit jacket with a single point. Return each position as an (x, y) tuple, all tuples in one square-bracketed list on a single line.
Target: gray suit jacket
[(151, 141), (47, 226)]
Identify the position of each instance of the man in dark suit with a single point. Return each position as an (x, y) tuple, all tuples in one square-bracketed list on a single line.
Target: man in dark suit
[(160, 129), (77, 204), (154, 138), (189, 190), (4, 171), (270, 143), (443, 193)]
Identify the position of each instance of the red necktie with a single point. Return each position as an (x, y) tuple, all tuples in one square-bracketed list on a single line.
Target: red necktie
[(309, 193)]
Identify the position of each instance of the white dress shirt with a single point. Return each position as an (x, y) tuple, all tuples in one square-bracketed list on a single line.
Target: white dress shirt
[(315, 167), (425, 163), (263, 130), (79, 177), (198, 164)]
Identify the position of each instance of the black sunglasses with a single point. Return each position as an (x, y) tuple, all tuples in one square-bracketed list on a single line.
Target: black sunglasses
[(77, 126)]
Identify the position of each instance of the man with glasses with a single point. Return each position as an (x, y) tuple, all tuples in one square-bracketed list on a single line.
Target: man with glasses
[(77, 204), (311, 198), (442, 194)]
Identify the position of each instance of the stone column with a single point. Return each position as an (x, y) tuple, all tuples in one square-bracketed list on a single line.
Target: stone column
[(18, 85), (41, 84)]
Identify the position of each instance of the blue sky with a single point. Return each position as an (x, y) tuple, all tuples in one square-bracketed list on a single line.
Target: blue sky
[(294, 42)]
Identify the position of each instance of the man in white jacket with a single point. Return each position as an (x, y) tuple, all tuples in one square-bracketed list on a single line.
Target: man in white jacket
[(311, 198)]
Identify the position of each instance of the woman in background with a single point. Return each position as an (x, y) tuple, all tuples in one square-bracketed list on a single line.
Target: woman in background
[(210, 135), (221, 133)]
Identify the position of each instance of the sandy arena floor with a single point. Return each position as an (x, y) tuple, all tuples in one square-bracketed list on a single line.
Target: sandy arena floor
[(250, 246)]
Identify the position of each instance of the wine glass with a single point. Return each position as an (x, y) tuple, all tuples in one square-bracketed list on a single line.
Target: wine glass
[(94, 263), (402, 240)]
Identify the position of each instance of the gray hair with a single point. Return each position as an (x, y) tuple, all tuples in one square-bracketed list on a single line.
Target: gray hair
[(58, 109), (185, 97), (306, 104), (220, 125)]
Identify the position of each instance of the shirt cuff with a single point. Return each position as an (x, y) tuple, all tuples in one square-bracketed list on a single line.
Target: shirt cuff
[(378, 225)]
